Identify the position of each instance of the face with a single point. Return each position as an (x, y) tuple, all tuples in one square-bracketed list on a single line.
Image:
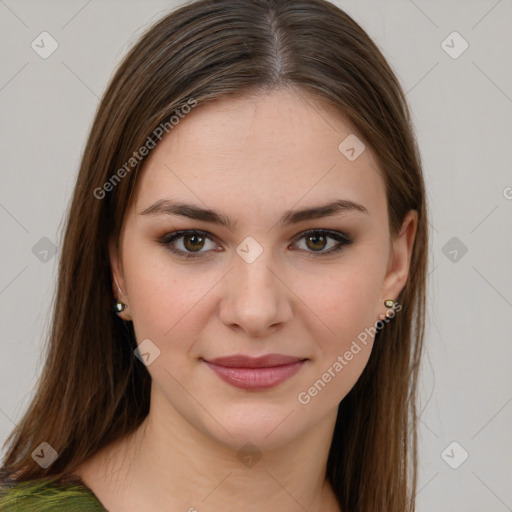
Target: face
[(255, 279)]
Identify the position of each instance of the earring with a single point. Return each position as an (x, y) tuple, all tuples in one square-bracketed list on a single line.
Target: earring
[(389, 303), (119, 306)]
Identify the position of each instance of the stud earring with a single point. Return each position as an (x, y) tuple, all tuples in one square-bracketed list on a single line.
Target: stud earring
[(389, 303), (119, 306)]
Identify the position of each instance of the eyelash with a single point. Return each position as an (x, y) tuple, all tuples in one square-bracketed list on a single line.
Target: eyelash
[(342, 239)]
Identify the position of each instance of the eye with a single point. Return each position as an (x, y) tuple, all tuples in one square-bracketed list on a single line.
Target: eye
[(317, 241), (193, 241)]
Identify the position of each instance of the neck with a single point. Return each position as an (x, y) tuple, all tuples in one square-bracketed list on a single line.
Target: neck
[(168, 464)]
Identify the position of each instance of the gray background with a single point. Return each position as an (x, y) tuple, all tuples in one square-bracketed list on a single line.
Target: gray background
[(462, 112)]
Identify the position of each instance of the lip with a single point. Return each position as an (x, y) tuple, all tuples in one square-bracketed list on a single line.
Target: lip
[(253, 373)]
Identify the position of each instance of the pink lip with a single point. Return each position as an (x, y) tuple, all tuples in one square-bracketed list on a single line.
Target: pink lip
[(255, 372)]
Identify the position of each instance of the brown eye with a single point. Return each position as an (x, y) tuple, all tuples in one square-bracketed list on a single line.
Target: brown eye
[(188, 244), (320, 242), (193, 242), (316, 242)]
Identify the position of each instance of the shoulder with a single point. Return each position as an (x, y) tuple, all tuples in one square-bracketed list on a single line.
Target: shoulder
[(47, 496)]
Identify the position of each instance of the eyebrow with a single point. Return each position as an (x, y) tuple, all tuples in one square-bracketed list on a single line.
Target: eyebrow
[(168, 207)]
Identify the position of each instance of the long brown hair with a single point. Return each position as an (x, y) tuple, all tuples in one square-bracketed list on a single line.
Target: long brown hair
[(92, 390)]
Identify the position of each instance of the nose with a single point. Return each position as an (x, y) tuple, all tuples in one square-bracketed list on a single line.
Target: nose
[(256, 297)]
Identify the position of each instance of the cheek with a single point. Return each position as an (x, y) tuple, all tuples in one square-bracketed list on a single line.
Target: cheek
[(170, 303), (344, 302), (159, 294), (344, 307)]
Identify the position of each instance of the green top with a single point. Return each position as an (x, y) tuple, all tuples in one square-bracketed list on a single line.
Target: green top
[(44, 496)]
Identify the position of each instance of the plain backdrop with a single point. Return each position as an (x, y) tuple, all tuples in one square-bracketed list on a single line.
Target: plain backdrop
[(461, 99)]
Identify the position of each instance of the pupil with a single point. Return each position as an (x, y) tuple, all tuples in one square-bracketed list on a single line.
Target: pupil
[(195, 239), (317, 238)]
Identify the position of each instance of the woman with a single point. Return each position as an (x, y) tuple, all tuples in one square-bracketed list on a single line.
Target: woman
[(251, 201)]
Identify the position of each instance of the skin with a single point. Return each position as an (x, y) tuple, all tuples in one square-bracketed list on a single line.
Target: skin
[(252, 158)]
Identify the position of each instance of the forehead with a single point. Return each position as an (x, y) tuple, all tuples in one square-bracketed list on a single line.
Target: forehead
[(266, 151)]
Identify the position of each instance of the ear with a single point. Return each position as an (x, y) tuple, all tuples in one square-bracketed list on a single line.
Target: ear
[(400, 259), (118, 284)]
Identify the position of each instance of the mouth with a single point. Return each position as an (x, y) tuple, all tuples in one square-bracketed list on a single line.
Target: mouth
[(253, 373)]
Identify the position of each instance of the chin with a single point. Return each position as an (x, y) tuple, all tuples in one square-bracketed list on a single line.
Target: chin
[(267, 426)]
